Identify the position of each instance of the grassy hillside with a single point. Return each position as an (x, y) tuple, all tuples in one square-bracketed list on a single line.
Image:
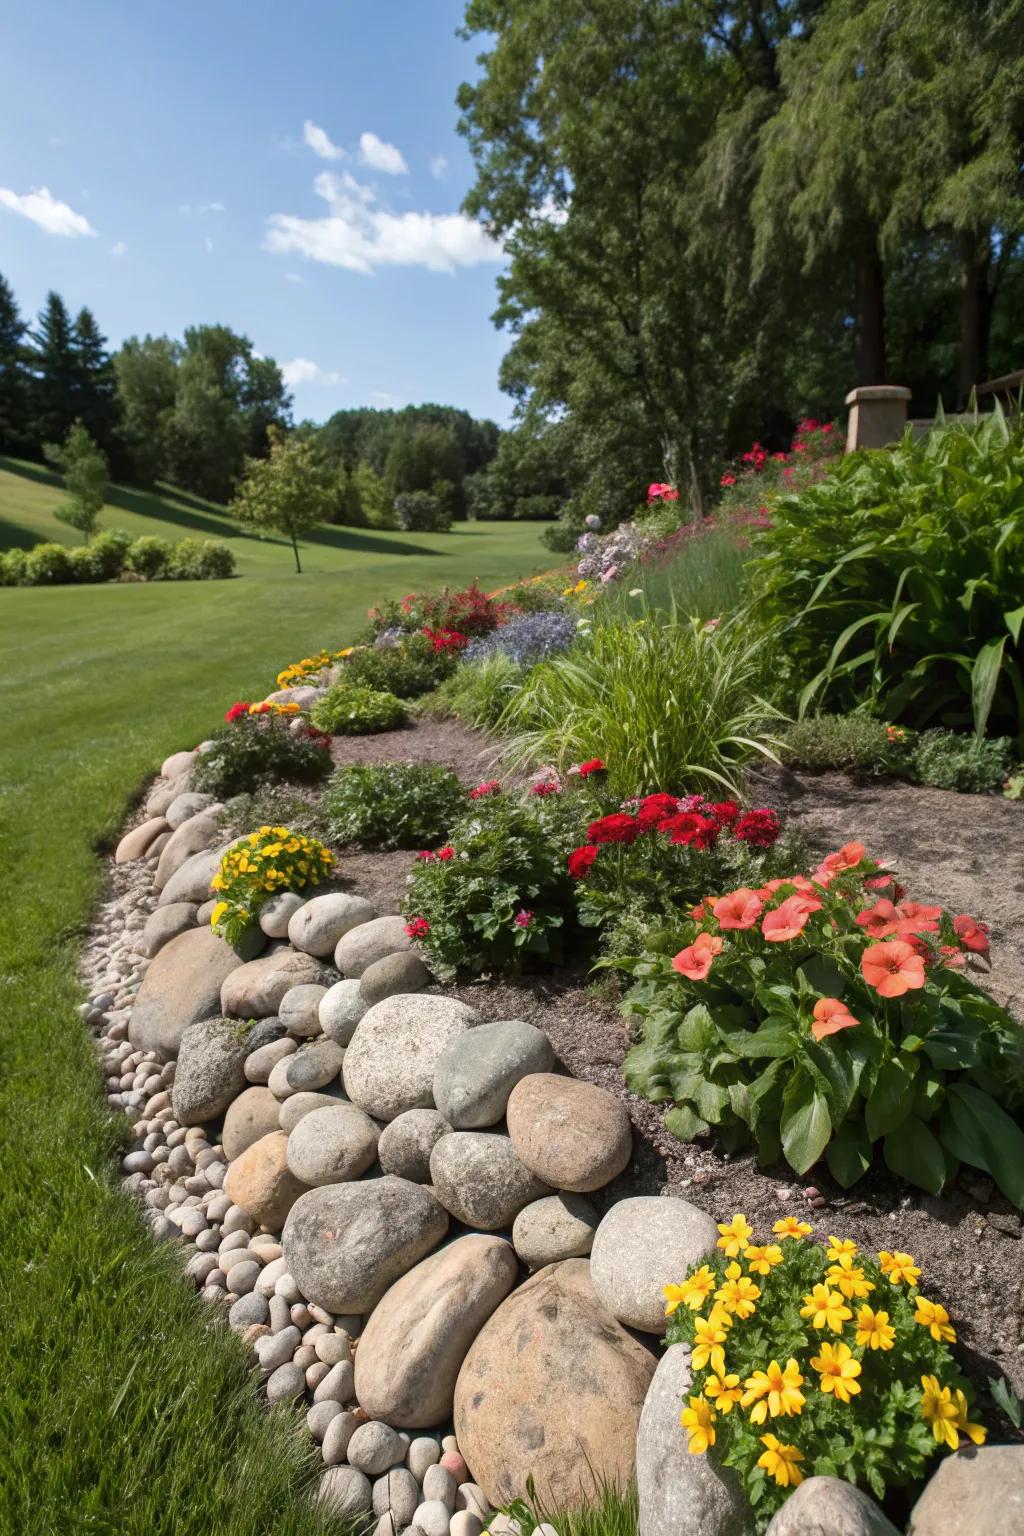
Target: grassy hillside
[(119, 1403)]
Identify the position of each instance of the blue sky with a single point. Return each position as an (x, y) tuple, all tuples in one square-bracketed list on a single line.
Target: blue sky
[(292, 171)]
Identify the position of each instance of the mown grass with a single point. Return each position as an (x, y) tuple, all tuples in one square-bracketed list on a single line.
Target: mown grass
[(122, 1410)]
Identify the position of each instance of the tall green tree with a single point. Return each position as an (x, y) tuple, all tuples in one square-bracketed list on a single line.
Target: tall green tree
[(98, 406), (14, 376), (423, 458), (84, 467), (146, 371), (56, 376), (289, 492)]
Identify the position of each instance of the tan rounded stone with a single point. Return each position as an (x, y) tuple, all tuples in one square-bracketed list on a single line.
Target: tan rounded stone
[(250, 1117), (261, 1182), (181, 986), (258, 987), (572, 1135), (136, 843)]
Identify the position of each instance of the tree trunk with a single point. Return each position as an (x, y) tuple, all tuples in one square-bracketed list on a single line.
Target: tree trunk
[(975, 311), (869, 328), (295, 547)]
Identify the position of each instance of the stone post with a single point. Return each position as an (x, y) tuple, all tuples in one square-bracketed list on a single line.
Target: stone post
[(878, 415)]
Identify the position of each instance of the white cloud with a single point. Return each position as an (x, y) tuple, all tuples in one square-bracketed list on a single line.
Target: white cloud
[(295, 277), (208, 246), (438, 166), (43, 209), (302, 370), (118, 248), (360, 237), (380, 156), (216, 207), (319, 143), (552, 212)]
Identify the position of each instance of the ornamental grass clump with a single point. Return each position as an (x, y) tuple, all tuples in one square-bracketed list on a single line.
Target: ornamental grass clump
[(392, 805), (262, 865), (348, 709), (813, 1361), (830, 1016)]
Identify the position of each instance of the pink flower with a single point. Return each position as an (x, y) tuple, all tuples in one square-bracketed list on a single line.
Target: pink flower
[(727, 480), (694, 962), (972, 934), (787, 921), (740, 909), (417, 928), (545, 787), (523, 919), (489, 787)]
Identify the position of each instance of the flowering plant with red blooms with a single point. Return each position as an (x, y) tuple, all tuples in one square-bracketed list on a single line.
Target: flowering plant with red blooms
[(489, 787), (237, 710), (445, 639), (659, 492), (468, 612), (829, 1015)]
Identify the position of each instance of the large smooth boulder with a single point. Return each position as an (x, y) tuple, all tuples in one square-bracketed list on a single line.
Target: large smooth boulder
[(478, 1178), (642, 1245), (679, 1492), (165, 924), (418, 1335), (474, 1076), (192, 881), (177, 764), (976, 1492), (210, 1071), (347, 1243), (277, 912), (406, 1143), (261, 1182), (341, 1008), (298, 1105), (572, 1135), (248, 1119), (137, 843), (552, 1388), (299, 1010), (558, 1227), (193, 836), (369, 942), (393, 1053), (402, 972), (163, 795), (319, 923), (183, 807), (332, 1145), (181, 986), (256, 989), (830, 1506)]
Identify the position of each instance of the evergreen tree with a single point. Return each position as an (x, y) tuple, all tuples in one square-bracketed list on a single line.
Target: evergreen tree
[(14, 377), (55, 367), (98, 406)]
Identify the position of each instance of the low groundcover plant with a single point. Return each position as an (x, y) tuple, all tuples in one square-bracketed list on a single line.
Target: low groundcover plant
[(392, 805), (348, 709), (259, 866), (828, 1015), (261, 744), (812, 1361)]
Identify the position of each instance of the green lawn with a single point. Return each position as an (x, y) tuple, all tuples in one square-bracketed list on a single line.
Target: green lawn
[(121, 1409)]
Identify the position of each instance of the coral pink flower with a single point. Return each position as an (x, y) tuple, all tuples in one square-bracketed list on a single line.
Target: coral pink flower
[(914, 909), (953, 957), (787, 921), (694, 962), (972, 934), (892, 968), (830, 1016), (523, 919), (880, 920), (740, 909)]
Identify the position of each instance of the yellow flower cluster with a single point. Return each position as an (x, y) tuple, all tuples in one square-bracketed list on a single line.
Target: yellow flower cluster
[(270, 708), (273, 859), (774, 1392), (298, 671)]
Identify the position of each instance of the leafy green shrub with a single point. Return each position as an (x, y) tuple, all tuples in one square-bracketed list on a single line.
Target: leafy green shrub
[(392, 805), (47, 565), (423, 512), (856, 744), (815, 1362), (200, 560), (150, 557), (409, 668), (260, 749), (945, 760), (1013, 789), (467, 610), (259, 866), (86, 567), (899, 578), (477, 692), (300, 809), (822, 1017), (108, 552), (666, 701), (350, 710), (14, 568)]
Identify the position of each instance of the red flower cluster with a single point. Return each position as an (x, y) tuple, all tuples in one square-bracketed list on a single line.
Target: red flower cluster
[(581, 861), (617, 828), (445, 639), (758, 828), (755, 456), (546, 787), (442, 856), (237, 711), (659, 492), (593, 765), (417, 928), (692, 822), (489, 787)]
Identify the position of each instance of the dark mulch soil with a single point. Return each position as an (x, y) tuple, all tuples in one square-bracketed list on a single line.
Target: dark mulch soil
[(470, 754)]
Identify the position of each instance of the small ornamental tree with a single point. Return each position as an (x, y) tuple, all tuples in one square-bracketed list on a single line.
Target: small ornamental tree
[(84, 467), (289, 492)]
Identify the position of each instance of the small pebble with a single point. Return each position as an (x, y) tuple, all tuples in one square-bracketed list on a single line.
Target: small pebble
[(285, 1384)]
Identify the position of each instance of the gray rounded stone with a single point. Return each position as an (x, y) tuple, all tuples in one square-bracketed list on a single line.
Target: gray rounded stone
[(187, 805), (341, 1008), (320, 923), (286, 1383), (424, 1452), (194, 835), (432, 1518), (277, 1079), (642, 1245), (248, 1309), (830, 1506), (319, 1420), (403, 972), (397, 1494), (478, 1178), (297, 1105), (345, 1491), (299, 1010), (438, 1483), (340, 1429), (346, 1243), (558, 1227), (177, 765), (330, 1146), (276, 914), (313, 1066), (390, 1063), (165, 924), (255, 990), (406, 1143), (248, 1118), (181, 986), (260, 1032), (371, 941), (210, 1071), (260, 1062), (192, 881), (374, 1447), (476, 1073), (978, 1491)]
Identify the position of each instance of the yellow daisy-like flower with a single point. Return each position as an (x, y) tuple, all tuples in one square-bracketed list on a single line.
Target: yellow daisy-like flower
[(940, 1409), (840, 1246), (838, 1371), (699, 1422), (760, 1260), (935, 1318), (723, 1391), (790, 1227), (218, 912), (709, 1337), (899, 1267), (693, 1292), (847, 1277), (774, 1391), (780, 1462), (738, 1294), (825, 1308), (736, 1234), (874, 1331), (975, 1432)]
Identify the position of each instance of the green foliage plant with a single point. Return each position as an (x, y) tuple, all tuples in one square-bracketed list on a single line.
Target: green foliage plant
[(899, 579), (201, 560), (260, 866), (815, 1362), (953, 760), (392, 805), (477, 691), (289, 492), (150, 557), (831, 1017), (84, 467), (260, 749), (408, 668), (861, 745), (48, 565), (349, 709)]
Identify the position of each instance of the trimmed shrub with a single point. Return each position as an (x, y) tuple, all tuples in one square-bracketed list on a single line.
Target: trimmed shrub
[(392, 805), (108, 552), (149, 557), (945, 760), (200, 560), (14, 568), (48, 565), (408, 668), (350, 710)]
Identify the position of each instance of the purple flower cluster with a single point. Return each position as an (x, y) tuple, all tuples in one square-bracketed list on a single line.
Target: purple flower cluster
[(527, 637), (606, 558)]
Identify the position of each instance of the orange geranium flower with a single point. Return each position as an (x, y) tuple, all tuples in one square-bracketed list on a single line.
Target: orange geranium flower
[(880, 920), (830, 1016), (972, 934), (915, 909), (740, 909), (694, 962), (892, 968), (788, 920)]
